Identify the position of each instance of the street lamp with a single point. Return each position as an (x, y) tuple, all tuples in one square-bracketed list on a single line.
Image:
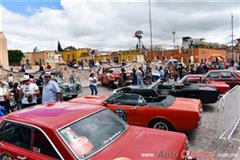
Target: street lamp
[(150, 23), (232, 61), (138, 35), (174, 33), (191, 53)]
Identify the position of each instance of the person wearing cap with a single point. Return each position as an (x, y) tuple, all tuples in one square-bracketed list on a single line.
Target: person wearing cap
[(4, 96), (51, 91), (29, 92)]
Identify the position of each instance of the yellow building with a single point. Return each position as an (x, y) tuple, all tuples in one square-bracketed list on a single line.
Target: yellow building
[(39, 57), (130, 55), (118, 56), (78, 54)]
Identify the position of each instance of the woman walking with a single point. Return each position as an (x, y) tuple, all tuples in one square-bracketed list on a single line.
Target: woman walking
[(93, 84)]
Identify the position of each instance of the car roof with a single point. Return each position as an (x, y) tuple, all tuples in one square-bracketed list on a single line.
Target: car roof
[(53, 116), (195, 75), (222, 70)]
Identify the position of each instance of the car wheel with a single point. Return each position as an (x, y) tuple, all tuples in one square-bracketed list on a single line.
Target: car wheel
[(161, 125), (6, 156), (164, 92)]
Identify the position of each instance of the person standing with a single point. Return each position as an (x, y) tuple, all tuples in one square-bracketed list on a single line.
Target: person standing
[(4, 97), (93, 84), (10, 80), (51, 91), (23, 68), (134, 77), (29, 92), (162, 73), (123, 78), (16, 94), (48, 66), (140, 76), (41, 68), (81, 64), (110, 77)]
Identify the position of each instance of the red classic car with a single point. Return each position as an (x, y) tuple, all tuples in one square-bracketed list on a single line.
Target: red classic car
[(204, 81), (231, 77), (161, 112), (103, 78), (73, 131)]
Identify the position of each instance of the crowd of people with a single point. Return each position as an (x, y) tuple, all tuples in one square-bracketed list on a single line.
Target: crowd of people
[(27, 93), (146, 73)]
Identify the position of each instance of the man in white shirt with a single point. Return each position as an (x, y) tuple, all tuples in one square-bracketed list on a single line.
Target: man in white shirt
[(4, 97), (29, 92)]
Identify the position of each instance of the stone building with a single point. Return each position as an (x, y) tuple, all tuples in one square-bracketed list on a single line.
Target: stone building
[(3, 51)]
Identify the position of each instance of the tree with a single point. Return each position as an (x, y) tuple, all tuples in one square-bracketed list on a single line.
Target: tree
[(69, 48), (15, 57), (59, 47)]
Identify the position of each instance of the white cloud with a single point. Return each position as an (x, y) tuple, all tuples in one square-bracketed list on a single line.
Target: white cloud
[(111, 24)]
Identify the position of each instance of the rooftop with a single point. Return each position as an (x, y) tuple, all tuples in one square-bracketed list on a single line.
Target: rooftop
[(53, 116)]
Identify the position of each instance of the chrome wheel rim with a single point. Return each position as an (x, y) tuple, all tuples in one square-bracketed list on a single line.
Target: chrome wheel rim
[(160, 126)]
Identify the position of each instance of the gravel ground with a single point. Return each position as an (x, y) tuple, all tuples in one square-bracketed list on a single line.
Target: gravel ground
[(203, 140)]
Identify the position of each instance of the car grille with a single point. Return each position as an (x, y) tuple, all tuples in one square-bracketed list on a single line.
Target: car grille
[(73, 89)]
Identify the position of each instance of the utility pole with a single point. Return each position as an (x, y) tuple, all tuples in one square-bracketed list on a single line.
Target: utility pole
[(174, 45), (150, 22), (232, 39)]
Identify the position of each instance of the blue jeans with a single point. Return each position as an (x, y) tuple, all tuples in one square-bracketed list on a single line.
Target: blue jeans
[(93, 89), (140, 82)]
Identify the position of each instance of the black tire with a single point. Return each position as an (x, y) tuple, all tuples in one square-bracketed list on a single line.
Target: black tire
[(161, 124), (6, 156)]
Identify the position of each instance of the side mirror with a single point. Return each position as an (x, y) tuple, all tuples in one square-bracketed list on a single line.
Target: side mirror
[(105, 104)]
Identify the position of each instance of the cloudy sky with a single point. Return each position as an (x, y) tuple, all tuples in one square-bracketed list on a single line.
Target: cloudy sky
[(111, 24)]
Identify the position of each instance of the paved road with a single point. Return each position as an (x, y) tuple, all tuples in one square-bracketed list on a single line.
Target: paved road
[(204, 140)]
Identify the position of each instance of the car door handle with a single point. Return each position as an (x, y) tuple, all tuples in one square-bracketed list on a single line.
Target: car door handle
[(21, 157)]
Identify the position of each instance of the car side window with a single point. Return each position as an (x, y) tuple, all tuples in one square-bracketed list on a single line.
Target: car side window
[(227, 75), (42, 145), (16, 134), (204, 80), (192, 80), (214, 75)]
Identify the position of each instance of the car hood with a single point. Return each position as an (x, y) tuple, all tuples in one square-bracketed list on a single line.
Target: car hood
[(138, 141), (187, 104), (219, 84)]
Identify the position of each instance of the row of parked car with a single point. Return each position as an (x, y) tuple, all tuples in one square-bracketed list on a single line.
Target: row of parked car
[(87, 128)]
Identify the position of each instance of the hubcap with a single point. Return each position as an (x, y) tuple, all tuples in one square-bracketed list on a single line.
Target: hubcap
[(164, 92), (161, 126)]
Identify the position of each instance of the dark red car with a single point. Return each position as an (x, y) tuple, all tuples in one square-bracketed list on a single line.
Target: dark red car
[(231, 77), (202, 80), (74, 131), (103, 78)]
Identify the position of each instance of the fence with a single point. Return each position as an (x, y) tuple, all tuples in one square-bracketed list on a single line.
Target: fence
[(229, 114)]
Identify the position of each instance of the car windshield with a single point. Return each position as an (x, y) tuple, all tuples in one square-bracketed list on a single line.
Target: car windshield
[(91, 134), (58, 80), (116, 69), (182, 80)]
